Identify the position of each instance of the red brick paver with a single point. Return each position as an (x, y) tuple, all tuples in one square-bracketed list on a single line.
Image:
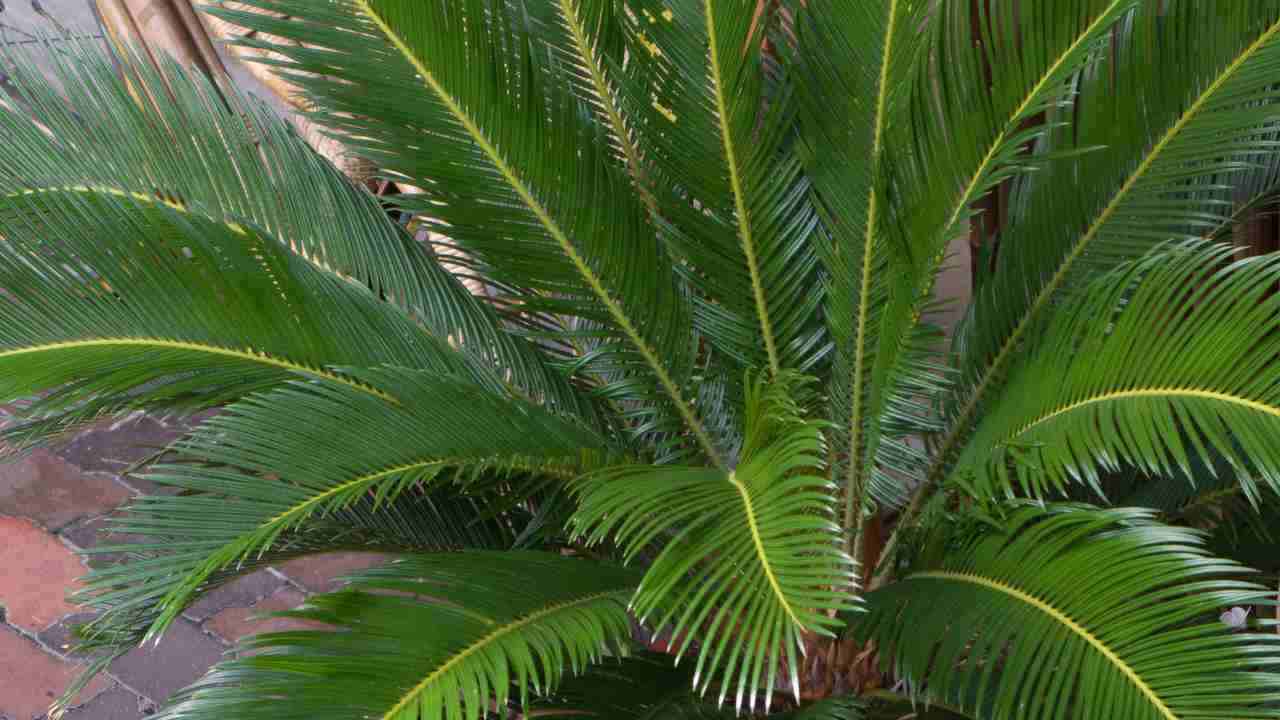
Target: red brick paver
[(234, 624), (241, 592), (36, 572), (321, 573), (32, 678)]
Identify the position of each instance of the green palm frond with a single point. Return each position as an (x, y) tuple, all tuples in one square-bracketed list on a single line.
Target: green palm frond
[(140, 305), (970, 148), (1073, 611), (218, 159), (1167, 134), (128, 599), (1208, 494), (508, 169), (586, 45), (715, 118), (964, 140), (398, 652), (972, 115), (859, 53), (749, 560), (258, 474), (1135, 370)]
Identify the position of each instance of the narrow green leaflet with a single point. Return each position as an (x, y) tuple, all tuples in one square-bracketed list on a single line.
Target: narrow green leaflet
[(716, 116), (1070, 611), (218, 157), (429, 637), (508, 172), (1165, 361), (747, 561), (923, 131), (1180, 101), (258, 474), (843, 154), (137, 304)]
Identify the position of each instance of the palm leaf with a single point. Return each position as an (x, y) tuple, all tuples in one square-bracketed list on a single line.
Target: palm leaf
[(258, 474), (429, 636), (586, 43), (1168, 134), (740, 218), (223, 159), (1073, 611), (128, 599), (507, 174), (749, 560), (1135, 371), (972, 123), (139, 305), (860, 53), (947, 131)]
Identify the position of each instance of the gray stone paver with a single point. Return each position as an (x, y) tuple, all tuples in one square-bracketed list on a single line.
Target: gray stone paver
[(179, 660), (114, 704), (37, 26)]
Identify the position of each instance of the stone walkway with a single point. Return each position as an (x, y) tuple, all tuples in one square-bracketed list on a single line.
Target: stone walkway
[(55, 504)]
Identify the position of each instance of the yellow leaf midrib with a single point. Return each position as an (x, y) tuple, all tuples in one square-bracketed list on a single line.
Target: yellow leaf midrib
[(188, 210), (996, 367), (1065, 620), (853, 484), (229, 552), (549, 224), (247, 354), (608, 104), (966, 196), (489, 638), (236, 228), (758, 542), (745, 236), (346, 486), (1150, 392)]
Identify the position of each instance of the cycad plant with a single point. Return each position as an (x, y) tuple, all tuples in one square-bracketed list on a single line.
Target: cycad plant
[(645, 352)]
